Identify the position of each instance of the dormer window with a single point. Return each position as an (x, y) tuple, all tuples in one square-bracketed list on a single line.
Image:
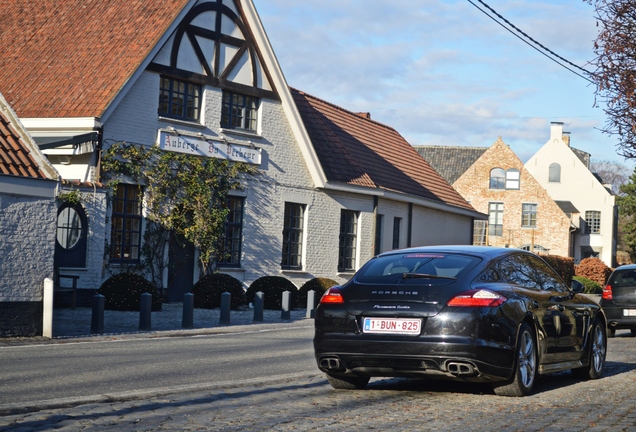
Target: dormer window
[(179, 99), (239, 111)]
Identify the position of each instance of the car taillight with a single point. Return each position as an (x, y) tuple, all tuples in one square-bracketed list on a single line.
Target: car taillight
[(332, 296), (477, 298), (607, 292)]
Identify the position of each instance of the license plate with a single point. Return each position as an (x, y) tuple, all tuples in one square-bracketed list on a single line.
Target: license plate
[(629, 312), (407, 326)]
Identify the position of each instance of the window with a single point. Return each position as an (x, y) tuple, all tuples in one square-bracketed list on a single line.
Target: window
[(126, 224), (529, 215), (179, 99), (592, 222), (495, 219), (230, 250), (348, 239), (554, 175), (293, 236), (239, 111), (397, 222), (69, 227), (512, 179), (378, 234), (497, 178)]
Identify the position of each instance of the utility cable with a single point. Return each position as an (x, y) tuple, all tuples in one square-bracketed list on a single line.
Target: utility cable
[(533, 41)]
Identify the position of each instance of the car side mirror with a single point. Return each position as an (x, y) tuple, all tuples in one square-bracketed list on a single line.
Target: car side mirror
[(577, 287)]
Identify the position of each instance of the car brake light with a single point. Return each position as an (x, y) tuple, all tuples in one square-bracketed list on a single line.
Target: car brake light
[(607, 292), (332, 296), (477, 298)]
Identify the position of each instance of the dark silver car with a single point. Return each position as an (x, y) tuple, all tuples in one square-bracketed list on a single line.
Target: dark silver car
[(619, 299)]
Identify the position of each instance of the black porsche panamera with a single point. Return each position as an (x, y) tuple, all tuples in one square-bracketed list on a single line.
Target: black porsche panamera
[(467, 313)]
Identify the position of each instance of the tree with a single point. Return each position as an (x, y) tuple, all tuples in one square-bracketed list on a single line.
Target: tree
[(612, 173), (627, 209), (615, 74), (184, 194)]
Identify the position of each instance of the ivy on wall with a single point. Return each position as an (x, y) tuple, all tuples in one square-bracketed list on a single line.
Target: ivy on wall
[(185, 194)]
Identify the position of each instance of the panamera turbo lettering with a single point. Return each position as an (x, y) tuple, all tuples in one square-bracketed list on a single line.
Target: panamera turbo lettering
[(394, 292)]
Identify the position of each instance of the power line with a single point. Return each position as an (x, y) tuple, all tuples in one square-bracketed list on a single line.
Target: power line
[(544, 48)]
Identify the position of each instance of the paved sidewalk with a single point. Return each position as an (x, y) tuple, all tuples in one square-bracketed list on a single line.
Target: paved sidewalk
[(69, 324)]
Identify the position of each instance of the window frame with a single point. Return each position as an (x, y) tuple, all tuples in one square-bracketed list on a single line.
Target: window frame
[(231, 242), (293, 236), (497, 178), (193, 92), (592, 222), (397, 225), (248, 118), (129, 237), (554, 173), (347, 242), (529, 215), (498, 212), (513, 179)]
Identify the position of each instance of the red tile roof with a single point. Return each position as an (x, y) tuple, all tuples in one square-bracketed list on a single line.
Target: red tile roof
[(70, 58), (15, 157), (356, 150)]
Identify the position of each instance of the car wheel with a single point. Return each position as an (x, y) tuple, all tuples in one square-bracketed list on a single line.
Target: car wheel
[(348, 383), (525, 366), (598, 350)]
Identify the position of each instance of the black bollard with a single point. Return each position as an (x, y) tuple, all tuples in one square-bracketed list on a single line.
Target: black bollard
[(259, 301), (188, 311), (311, 304), (226, 298), (144, 312), (285, 311), (97, 317)]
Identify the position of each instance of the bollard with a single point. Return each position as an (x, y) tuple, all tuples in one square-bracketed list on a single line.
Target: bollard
[(145, 311), (226, 298), (97, 316), (47, 304), (259, 301), (285, 313), (311, 304), (188, 311)]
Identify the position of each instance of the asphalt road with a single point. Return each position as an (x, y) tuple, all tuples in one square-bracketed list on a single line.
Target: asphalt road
[(303, 401), (88, 370)]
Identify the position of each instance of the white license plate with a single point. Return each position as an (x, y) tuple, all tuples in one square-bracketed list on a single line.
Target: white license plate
[(629, 312), (406, 326)]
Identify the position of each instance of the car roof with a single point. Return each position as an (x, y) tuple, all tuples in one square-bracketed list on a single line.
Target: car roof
[(487, 251), (626, 267)]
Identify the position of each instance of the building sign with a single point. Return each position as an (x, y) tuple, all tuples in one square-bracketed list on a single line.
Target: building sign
[(209, 148)]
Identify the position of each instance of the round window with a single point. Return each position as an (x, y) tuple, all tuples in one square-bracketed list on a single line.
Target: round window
[(69, 227)]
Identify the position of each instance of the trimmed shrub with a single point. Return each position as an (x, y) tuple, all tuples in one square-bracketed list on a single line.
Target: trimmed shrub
[(591, 287), (320, 285), (207, 291), (122, 292), (273, 288), (564, 266), (594, 269)]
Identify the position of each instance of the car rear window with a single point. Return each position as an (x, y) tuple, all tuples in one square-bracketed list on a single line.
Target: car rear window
[(391, 268), (623, 278)]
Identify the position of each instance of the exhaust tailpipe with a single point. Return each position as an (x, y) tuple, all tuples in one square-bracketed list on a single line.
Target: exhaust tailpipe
[(461, 369), (330, 363)]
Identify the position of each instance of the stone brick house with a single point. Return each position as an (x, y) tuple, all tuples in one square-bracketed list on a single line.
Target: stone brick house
[(28, 189), (494, 180), (333, 189)]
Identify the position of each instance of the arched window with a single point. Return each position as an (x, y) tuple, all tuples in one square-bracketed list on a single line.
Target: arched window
[(513, 177), (497, 178), (555, 173)]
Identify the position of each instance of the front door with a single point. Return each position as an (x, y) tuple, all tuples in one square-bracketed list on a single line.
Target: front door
[(180, 268)]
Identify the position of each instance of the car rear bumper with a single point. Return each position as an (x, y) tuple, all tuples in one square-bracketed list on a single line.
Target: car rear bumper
[(460, 358), (616, 318)]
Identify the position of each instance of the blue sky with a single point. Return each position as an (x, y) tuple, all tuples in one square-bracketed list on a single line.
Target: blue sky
[(443, 73)]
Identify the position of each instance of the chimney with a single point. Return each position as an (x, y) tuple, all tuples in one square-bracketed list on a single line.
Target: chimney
[(566, 138), (366, 115), (556, 130)]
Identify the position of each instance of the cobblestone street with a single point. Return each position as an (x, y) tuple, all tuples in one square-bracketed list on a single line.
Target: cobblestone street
[(559, 403)]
